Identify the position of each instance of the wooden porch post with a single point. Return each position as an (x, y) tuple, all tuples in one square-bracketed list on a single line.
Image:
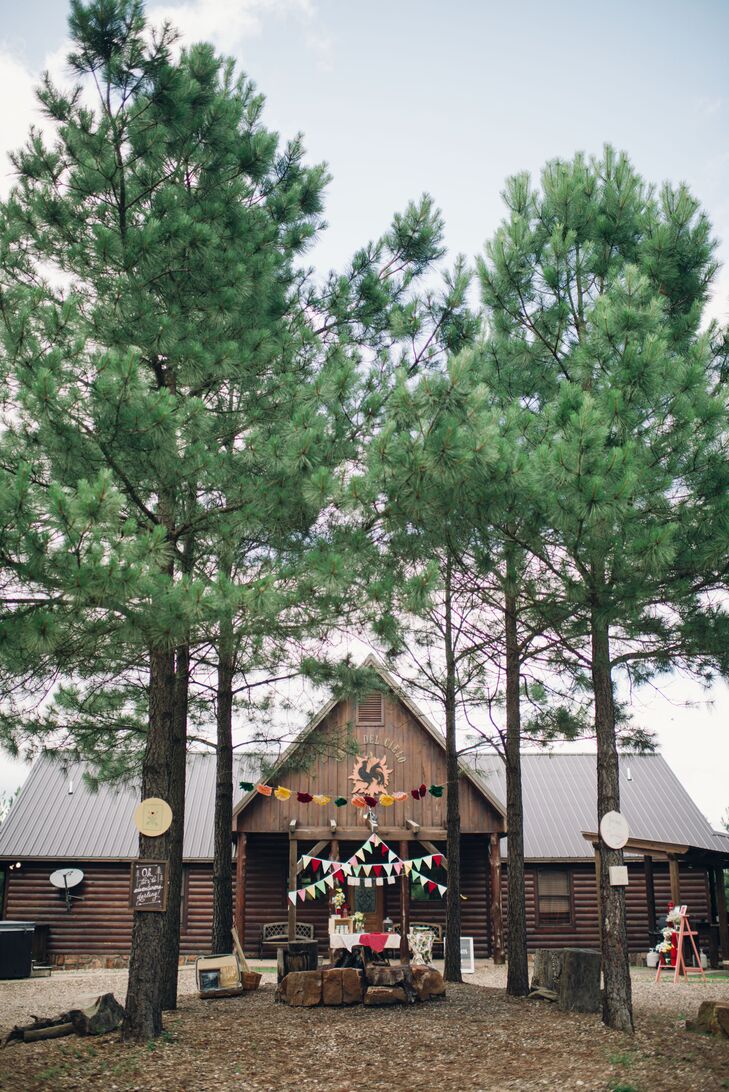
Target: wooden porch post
[(721, 908), (240, 886), (674, 873), (497, 924), (597, 893), (650, 898), (293, 857), (404, 853)]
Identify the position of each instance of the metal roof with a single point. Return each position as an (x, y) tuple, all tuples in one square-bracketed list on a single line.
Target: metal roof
[(560, 802), (47, 821)]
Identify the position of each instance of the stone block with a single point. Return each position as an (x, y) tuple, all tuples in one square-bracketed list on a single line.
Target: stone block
[(385, 995), (427, 983), (301, 988), (351, 986), (331, 986)]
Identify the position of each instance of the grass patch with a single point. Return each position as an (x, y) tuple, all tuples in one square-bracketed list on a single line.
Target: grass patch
[(618, 1086), (625, 1059)]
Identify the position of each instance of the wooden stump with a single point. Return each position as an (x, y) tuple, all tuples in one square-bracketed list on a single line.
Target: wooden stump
[(572, 974), (301, 956), (712, 1019)]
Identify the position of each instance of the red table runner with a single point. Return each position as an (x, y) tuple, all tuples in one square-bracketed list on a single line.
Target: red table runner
[(375, 941)]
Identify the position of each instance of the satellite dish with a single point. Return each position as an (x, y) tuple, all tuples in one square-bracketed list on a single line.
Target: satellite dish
[(66, 877), (614, 829)]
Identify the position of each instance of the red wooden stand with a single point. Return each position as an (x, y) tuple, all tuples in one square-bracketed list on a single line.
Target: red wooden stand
[(684, 930)]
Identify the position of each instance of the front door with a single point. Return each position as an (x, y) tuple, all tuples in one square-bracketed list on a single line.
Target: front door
[(370, 901)]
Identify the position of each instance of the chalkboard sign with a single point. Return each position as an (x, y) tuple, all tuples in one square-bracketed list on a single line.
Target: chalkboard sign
[(148, 889)]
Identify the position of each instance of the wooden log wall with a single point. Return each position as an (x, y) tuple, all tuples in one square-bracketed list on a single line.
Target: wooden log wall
[(101, 921), (583, 931)]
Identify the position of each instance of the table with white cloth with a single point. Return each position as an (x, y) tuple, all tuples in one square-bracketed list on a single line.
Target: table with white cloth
[(353, 940)]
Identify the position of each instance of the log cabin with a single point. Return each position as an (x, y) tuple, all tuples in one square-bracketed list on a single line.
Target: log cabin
[(381, 742)]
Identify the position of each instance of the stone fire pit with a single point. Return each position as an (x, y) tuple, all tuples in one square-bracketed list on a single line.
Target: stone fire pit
[(376, 985)]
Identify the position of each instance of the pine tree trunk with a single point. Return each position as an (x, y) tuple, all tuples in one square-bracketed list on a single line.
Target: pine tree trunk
[(176, 800), (452, 967), (517, 981), (223, 818), (144, 993), (617, 1005)]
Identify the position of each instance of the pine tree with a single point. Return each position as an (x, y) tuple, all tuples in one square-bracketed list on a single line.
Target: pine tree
[(174, 363), (594, 288)]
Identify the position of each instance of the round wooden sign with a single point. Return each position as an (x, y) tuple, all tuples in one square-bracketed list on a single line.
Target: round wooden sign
[(152, 817), (614, 829)]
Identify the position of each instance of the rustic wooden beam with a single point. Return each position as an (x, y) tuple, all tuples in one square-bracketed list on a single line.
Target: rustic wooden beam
[(313, 852), (598, 895), (675, 875), (497, 922), (435, 851), (333, 825), (722, 914), (413, 825), (361, 834), (404, 907), (293, 857), (650, 898), (240, 884)]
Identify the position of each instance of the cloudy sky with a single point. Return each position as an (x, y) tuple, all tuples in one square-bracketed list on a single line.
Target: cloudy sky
[(401, 96)]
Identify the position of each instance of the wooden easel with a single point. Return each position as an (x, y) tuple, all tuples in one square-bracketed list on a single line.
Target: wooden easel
[(684, 930)]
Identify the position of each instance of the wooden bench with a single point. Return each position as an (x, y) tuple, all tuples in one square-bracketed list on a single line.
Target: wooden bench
[(275, 934)]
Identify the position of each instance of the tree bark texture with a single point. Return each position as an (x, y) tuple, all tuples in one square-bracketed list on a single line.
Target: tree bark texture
[(223, 817), (617, 1005), (144, 993), (517, 979), (176, 800), (452, 967)]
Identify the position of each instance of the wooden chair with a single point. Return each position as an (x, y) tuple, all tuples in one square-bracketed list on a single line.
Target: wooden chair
[(436, 930), (275, 934)]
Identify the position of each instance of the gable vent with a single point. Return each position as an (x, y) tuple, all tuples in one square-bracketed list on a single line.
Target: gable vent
[(371, 709)]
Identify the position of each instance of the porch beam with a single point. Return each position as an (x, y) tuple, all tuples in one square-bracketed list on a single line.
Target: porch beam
[(240, 885), (497, 923), (650, 898), (675, 876), (435, 851), (313, 852), (293, 857), (722, 914), (404, 908), (361, 834)]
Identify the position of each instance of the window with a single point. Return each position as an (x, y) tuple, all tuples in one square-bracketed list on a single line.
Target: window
[(554, 897), (419, 893), (370, 709)]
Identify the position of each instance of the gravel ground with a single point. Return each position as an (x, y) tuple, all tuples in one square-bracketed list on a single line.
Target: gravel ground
[(476, 1039)]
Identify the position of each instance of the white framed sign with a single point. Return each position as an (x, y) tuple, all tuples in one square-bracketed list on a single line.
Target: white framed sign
[(614, 829), (468, 965)]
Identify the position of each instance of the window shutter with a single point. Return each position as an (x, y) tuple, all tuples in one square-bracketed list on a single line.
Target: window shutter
[(370, 710)]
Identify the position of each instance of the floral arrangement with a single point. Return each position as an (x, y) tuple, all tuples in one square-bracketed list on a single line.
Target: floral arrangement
[(664, 945), (673, 922), (358, 921), (339, 898)]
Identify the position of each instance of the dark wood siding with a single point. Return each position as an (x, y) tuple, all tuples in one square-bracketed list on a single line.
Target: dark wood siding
[(101, 921), (583, 932), (411, 753)]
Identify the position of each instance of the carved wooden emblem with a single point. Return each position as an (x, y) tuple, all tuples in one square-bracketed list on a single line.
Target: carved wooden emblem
[(370, 774)]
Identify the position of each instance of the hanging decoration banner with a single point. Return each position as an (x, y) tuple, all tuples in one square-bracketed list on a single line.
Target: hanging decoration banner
[(357, 872), (358, 800)]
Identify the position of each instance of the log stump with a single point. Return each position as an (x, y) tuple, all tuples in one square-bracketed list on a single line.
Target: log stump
[(712, 1019), (572, 974), (301, 956)]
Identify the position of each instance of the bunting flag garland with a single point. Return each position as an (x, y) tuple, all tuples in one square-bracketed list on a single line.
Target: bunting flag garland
[(358, 800), (359, 872)]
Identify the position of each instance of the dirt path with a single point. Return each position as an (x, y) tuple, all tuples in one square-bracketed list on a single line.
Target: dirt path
[(475, 1039)]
